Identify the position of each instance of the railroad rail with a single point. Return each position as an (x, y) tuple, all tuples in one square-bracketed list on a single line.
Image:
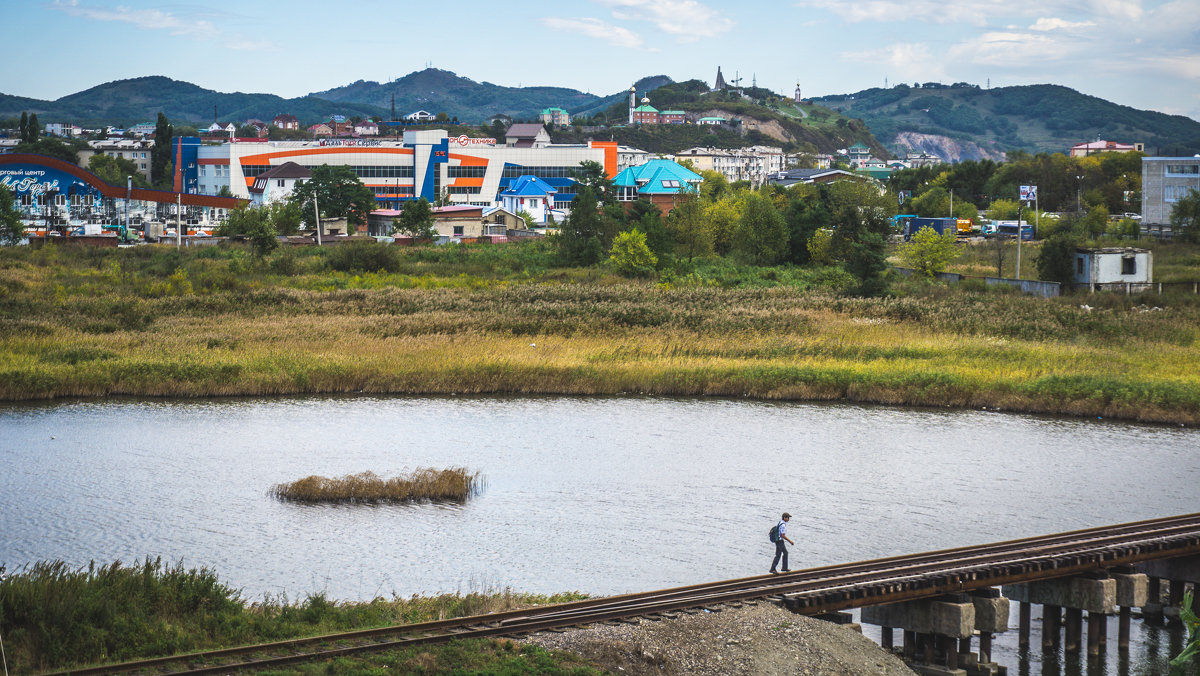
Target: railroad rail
[(809, 591)]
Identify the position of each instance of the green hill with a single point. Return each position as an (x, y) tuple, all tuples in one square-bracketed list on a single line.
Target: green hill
[(125, 102), (1035, 118), (438, 91)]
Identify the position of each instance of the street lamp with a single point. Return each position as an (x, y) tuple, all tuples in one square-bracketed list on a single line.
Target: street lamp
[(128, 196), (1078, 192)]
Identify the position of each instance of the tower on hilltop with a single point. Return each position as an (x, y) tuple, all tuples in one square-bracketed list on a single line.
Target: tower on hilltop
[(720, 84), (632, 101), (798, 97)]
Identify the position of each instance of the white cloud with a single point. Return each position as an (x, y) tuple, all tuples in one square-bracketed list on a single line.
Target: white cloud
[(595, 28), (146, 19), (1011, 49), (687, 20), (1048, 24), (911, 61), (173, 24)]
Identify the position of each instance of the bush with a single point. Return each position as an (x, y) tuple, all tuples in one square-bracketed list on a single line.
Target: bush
[(364, 256), (631, 256)]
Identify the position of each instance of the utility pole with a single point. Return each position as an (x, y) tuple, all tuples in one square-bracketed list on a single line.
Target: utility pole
[(317, 212), (178, 219)]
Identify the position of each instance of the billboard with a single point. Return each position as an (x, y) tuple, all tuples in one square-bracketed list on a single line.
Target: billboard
[(1028, 193)]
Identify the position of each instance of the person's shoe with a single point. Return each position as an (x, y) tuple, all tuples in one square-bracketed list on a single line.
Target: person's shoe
[(774, 572), (787, 570)]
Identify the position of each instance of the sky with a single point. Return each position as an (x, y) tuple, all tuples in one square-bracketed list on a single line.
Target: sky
[(1140, 53)]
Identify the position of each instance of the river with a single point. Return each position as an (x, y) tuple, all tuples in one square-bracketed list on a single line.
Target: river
[(599, 495)]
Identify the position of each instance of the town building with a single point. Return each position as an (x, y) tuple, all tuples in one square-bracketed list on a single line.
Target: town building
[(712, 121), (426, 164), (63, 129), (320, 129), (136, 151), (366, 128), (142, 129), (556, 116), (535, 196), (645, 113), (631, 157), (672, 117), (662, 182), (922, 159), (1165, 181), (276, 184), (1097, 267), (810, 176), (1098, 146), (858, 154), (420, 116), (286, 121), (755, 164), (527, 136)]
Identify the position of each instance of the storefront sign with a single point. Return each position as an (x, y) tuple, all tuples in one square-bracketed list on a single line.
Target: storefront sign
[(350, 142), (465, 140), (33, 182)]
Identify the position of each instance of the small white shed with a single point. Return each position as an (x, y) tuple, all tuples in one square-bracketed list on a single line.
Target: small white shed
[(1113, 265)]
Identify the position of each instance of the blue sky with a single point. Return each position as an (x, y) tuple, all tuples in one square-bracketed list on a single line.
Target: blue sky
[(1141, 53)]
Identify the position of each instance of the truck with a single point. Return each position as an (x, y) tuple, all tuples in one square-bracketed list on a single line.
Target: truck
[(913, 224), (1008, 229)]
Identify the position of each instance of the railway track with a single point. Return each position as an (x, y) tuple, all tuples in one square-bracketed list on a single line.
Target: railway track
[(811, 591)]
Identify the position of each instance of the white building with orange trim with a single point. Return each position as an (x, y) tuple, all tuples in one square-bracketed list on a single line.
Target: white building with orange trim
[(425, 164)]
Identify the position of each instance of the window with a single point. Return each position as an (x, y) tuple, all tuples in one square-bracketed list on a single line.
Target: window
[(1079, 265), (458, 230), (279, 182), (465, 172), (1128, 265), (670, 183), (1174, 193), (1183, 170)]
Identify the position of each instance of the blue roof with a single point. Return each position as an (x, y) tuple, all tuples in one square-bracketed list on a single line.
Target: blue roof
[(658, 177), (529, 186)]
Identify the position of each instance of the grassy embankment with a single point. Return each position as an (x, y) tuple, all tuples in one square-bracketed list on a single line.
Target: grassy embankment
[(54, 617), (455, 484), (150, 322)]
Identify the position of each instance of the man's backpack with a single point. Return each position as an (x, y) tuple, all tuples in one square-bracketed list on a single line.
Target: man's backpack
[(773, 534)]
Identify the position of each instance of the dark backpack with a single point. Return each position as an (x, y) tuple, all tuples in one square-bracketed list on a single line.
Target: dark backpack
[(773, 534)]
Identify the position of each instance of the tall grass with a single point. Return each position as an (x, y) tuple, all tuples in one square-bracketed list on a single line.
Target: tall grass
[(454, 484), (54, 616), (83, 327)]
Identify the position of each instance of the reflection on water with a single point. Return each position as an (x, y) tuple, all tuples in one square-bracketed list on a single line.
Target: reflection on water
[(597, 495)]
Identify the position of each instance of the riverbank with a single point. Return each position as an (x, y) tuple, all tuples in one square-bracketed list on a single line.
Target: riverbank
[(55, 617), (92, 324)]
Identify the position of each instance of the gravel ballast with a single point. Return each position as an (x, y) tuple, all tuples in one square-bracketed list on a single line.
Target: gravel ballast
[(763, 638)]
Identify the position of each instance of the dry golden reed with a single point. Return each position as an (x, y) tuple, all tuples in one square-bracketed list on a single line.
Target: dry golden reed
[(453, 484)]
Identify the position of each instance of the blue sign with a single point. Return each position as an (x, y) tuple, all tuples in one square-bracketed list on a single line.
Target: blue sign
[(36, 180)]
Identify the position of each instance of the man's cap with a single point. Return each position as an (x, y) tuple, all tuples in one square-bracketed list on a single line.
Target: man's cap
[(786, 515)]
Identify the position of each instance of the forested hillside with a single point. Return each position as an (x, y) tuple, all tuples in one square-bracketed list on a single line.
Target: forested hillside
[(1035, 118)]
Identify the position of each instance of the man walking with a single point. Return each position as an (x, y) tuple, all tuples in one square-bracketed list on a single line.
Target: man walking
[(780, 548)]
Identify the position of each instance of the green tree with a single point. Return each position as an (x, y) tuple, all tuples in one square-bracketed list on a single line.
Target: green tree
[(690, 229), (33, 130), (1185, 218), (631, 256), (933, 203), (590, 174), (286, 217), (67, 151), (416, 220), (23, 130), (12, 230), (115, 170), (928, 252), (579, 236), (1003, 210), (761, 233), (253, 223), (713, 187), (1056, 259), (339, 194), (527, 217), (804, 217), (1095, 223), (160, 154), (867, 261), (722, 217)]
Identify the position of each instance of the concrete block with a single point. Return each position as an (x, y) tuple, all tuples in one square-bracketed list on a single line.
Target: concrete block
[(1186, 568), (1132, 590), (991, 614), (926, 616), (1094, 596)]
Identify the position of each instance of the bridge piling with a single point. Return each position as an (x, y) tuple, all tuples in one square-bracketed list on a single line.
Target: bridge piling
[(1177, 572), (1074, 632), (1023, 624)]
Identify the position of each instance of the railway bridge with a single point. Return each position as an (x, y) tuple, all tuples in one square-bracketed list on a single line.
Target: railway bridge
[(940, 601)]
